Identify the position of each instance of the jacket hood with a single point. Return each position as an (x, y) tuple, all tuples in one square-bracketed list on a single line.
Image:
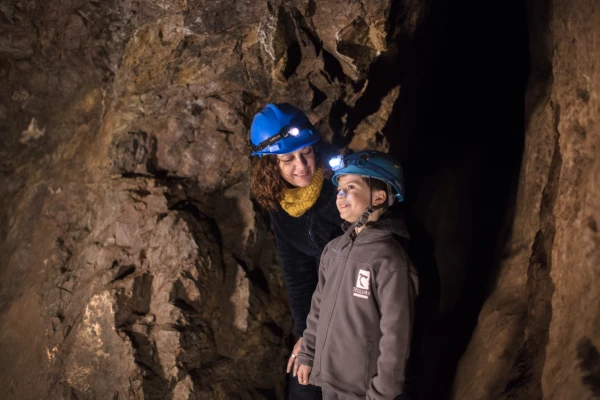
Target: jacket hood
[(390, 224)]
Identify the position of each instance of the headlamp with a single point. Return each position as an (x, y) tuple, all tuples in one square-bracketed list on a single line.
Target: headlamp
[(362, 161), (337, 163), (292, 130), (340, 162)]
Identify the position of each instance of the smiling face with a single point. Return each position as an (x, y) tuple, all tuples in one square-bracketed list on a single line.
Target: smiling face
[(298, 168), (353, 197)]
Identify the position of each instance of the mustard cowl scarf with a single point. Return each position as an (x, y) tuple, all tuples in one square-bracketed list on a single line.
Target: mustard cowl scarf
[(298, 200)]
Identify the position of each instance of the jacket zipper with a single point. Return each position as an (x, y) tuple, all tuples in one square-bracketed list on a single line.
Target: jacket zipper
[(339, 283)]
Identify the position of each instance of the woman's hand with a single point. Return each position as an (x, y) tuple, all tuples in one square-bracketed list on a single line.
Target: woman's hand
[(294, 358), (303, 374)]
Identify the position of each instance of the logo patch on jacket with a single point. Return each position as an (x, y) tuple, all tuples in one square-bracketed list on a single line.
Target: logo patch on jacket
[(362, 284)]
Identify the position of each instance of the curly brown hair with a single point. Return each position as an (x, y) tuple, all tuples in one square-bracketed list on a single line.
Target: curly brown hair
[(267, 182)]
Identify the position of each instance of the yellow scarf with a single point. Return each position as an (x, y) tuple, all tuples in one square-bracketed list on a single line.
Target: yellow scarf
[(297, 201)]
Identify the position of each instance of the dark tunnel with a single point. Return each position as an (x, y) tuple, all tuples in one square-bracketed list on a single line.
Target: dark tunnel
[(463, 103)]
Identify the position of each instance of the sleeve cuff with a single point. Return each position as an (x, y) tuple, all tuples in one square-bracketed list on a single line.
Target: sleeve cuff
[(305, 360)]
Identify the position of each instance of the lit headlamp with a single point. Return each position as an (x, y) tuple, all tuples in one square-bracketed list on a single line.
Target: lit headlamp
[(291, 130), (337, 163), (361, 160)]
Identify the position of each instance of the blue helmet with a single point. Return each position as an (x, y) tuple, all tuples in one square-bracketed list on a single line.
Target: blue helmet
[(373, 164), (281, 129)]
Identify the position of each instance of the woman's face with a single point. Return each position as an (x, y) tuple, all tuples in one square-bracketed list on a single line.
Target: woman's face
[(298, 168)]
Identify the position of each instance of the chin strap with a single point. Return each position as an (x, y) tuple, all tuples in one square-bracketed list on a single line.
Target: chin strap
[(365, 216)]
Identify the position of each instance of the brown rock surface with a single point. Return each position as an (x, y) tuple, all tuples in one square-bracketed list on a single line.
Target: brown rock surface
[(134, 265), (539, 331)]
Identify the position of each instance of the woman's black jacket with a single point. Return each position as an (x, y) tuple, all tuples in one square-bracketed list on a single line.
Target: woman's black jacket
[(300, 242)]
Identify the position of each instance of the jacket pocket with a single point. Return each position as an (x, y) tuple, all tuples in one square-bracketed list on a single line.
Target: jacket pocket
[(368, 365)]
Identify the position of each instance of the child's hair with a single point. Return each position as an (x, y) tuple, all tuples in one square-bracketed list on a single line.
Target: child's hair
[(268, 184), (378, 184)]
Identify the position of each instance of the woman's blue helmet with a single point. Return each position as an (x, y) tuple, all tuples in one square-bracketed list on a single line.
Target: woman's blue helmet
[(281, 129), (372, 164)]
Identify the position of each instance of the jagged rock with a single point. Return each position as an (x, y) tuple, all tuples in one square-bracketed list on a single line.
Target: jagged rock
[(90, 366), (368, 134)]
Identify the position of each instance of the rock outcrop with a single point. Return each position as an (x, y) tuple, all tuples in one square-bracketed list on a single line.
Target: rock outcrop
[(538, 332)]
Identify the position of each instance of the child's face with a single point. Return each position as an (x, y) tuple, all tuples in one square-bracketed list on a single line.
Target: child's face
[(352, 197)]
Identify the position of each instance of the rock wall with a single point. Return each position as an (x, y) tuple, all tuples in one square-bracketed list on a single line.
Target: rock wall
[(538, 333), (133, 263)]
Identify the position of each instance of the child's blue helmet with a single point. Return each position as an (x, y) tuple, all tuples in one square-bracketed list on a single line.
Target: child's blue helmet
[(281, 129), (372, 164)]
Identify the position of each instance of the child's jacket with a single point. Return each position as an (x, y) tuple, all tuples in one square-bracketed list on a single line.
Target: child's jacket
[(358, 331)]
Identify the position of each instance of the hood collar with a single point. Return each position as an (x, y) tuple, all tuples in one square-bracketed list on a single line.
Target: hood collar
[(389, 224)]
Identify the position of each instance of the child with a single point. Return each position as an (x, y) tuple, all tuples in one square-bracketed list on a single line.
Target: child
[(357, 340)]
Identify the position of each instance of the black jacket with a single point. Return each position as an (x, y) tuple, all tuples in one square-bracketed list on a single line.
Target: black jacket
[(300, 242)]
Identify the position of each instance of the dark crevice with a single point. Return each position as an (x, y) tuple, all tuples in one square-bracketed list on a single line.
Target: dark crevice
[(155, 387), (276, 329), (124, 272), (255, 275), (333, 68), (318, 96), (461, 141), (190, 210), (183, 305), (308, 31), (258, 280), (589, 363), (267, 394), (287, 29), (525, 378), (311, 8), (128, 308)]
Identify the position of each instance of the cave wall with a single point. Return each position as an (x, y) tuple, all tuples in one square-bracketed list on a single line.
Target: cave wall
[(538, 332), (133, 263)]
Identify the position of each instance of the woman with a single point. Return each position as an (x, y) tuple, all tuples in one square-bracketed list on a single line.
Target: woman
[(289, 181)]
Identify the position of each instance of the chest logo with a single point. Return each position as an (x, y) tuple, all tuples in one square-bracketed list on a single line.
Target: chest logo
[(362, 284)]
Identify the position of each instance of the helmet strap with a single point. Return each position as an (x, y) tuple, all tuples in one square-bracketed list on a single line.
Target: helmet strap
[(364, 218)]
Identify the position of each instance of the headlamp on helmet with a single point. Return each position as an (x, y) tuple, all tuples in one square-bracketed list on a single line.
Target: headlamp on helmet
[(370, 164), (291, 130), (337, 163)]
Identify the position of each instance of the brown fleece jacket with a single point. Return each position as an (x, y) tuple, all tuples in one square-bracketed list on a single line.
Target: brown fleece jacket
[(359, 328)]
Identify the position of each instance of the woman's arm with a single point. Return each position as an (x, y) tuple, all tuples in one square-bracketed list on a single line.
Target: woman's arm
[(300, 275)]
